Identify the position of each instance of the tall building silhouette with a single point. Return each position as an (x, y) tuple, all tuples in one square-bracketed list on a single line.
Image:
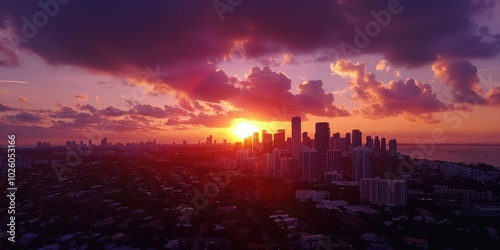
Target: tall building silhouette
[(393, 147), (296, 144), (361, 163), (280, 139), (255, 142), (247, 142), (376, 145), (104, 142), (357, 139), (347, 142), (383, 149), (306, 140), (267, 142), (322, 137), (321, 145), (369, 142)]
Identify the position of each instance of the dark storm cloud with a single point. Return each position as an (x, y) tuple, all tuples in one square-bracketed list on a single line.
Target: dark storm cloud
[(266, 94), (121, 37)]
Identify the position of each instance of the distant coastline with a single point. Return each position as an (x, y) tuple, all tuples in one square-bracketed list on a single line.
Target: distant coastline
[(449, 144), (457, 153)]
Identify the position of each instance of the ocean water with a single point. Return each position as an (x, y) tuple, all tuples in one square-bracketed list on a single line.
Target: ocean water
[(456, 153)]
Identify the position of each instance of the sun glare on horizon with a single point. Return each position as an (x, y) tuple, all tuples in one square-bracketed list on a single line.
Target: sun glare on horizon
[(243, 129)]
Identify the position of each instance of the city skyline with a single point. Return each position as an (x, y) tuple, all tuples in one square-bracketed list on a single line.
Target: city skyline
[(232, 69), (279, 133)]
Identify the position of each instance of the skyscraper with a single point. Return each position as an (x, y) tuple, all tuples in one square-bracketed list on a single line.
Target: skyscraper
[(361, 163), (247, 142), (321, 144), (309, 161), (393, 147), (357, 139), (279, 139), (104, 142), (255, 142), (336, 143), (347, 141), (209, 140), (322, 137), (333, 160), (369, 142), (382, 146), (377, 145), (267, 142), (296, 134), (306, 141)]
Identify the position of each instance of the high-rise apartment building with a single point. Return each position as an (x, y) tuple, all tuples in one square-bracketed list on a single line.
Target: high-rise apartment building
[(393, 147), (296, 145), (384, 192), (357, 139), (361, 163)]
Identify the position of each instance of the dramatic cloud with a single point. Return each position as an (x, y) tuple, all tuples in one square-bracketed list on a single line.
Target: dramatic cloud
[(263, 95), (462, 77), (266, 95), (170, 33), (411, 98), (314, 100), (176, 47)]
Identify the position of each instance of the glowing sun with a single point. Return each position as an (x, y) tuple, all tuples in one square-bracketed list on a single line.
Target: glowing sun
[(244, 129)]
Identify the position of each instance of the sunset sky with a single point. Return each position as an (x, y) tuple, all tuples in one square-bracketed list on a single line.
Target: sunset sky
[(176, 70)]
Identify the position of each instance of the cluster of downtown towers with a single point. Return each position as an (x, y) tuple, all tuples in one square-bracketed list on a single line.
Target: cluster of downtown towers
[(318, 159)]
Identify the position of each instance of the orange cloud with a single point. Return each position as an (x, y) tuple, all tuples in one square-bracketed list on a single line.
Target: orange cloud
[(412, 99), (23, 99), (82, 98)]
